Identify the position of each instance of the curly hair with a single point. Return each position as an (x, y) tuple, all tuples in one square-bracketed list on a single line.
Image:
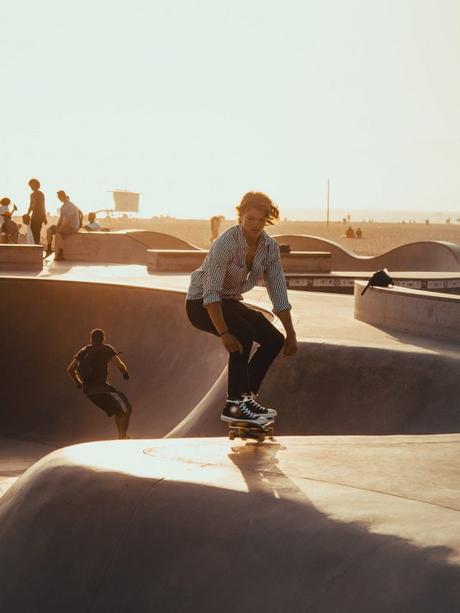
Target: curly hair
[(262, 203)]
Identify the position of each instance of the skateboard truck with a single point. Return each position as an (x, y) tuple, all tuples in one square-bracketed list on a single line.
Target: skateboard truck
[(245, 431)]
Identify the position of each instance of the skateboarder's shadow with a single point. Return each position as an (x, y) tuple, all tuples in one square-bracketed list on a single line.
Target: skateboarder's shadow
[(258, 465)]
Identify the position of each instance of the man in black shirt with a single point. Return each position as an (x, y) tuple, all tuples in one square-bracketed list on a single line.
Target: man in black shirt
[(89, 371), (36, 209)]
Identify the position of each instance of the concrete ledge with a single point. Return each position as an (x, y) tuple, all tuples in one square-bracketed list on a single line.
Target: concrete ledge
[(123, 247), (21, 257), (422, 256), (412, 311), (306, 261), (186, 260), (174, 260)]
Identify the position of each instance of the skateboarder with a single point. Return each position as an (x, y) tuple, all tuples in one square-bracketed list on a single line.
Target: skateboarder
[(236, 261), (89, 371)]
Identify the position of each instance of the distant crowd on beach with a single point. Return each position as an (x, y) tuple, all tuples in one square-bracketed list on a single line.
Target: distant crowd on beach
[(34, 220)]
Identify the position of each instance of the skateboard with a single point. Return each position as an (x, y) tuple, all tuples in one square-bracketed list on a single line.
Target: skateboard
[(244, 431)]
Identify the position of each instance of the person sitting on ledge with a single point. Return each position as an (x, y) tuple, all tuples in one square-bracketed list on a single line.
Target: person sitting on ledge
[(69, 222), (359, 233), (4, 205), (10, 230), (92, 225)]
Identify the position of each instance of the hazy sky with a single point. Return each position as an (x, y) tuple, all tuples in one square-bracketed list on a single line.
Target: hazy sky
[(194, 102)]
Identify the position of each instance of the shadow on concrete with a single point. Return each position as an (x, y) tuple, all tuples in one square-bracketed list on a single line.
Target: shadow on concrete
[(121, 543)]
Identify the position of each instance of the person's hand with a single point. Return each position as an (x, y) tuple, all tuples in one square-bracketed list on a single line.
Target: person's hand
[(126, 375), (231, 343), (290, 345)]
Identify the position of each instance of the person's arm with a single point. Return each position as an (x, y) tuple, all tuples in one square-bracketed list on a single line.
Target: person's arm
[(42, 204), (31, 204), (290, 344), (121, 366), (73, 372), (276, 287), (217, 260), (60, 220)]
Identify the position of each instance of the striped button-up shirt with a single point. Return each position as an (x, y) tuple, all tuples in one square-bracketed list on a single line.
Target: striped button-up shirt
[(223, 273)]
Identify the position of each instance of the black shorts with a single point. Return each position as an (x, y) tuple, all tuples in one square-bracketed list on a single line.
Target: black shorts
[(112, 402)]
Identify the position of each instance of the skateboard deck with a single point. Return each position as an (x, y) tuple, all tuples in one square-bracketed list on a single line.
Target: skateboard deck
[(244, 431)]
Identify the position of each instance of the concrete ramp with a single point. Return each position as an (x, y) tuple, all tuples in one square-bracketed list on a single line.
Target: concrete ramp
[(339, 388), (172, 365), (424, 256), (178, 383), (319, 525), (122, 247)]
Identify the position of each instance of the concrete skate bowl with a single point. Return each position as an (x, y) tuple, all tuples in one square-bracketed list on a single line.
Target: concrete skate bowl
[(178, 379), (340, 389), (105, 528), (173, 365), (164, 525), (122, 247), (421, 256)]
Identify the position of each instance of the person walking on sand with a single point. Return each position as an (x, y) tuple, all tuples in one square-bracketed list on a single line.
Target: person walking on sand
[(36, 210), (236, 261), (89, 370), (215, 222)]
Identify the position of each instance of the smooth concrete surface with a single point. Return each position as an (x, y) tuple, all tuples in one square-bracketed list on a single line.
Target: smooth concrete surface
[(21, 257), (124, 246), (408, 310), (52, 321), (326, 524), (182, 260), (306, 261), (320, 523), (175, 260), (421, 256)]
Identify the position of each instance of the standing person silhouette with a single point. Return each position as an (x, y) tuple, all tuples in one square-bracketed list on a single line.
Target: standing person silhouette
[(36, 210), (215, 222), (236, 261)]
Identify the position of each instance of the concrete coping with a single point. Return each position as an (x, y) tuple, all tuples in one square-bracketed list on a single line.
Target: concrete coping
[(408, 291), (412, 311), (21, 257)]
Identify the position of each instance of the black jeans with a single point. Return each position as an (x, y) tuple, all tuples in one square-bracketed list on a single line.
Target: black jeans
[(245, 374), (36, 227)]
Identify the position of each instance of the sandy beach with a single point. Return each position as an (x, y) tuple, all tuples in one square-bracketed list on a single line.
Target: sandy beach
[(377, 237)]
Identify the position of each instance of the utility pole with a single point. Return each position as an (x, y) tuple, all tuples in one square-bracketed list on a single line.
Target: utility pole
[(327, 202)]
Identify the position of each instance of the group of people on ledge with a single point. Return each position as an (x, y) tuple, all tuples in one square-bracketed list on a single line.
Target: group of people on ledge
[(69, 222)]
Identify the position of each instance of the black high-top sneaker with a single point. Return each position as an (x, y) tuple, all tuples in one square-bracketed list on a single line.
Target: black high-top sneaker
[(238, 410), (258, 409)]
